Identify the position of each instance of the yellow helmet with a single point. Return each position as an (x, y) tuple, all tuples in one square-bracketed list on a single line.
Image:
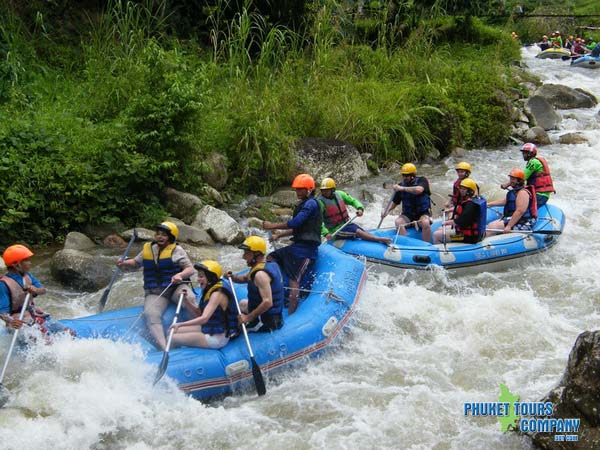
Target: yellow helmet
[(210, 266), (408, 169), (170, 228), (469, 184), (254, 244), (464, 166), (327, 183)]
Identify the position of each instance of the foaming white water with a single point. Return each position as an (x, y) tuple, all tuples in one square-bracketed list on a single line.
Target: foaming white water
[(420, 346)]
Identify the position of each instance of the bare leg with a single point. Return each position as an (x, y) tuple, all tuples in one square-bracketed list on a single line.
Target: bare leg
[(425, 225), (400, 222), (495, 225), (190, 337), (371, 237)]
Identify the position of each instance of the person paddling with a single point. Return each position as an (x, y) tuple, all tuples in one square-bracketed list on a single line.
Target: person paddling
[(520, 206), (333, 203), (14, 287), (166, 267)]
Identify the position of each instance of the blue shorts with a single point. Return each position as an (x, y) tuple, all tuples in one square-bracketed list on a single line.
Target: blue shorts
[(348, 232), (522, 226), (294, 267)]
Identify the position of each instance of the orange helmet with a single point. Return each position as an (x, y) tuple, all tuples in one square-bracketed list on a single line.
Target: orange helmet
[(517, 173), (15, 254), (304, 181)]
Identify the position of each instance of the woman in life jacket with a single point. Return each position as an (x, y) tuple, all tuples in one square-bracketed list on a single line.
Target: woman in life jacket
[(464, 226), (217, 321), (520, 207), (463, 170)]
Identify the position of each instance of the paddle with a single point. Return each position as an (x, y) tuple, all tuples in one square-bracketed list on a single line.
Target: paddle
[(3, 391), (104, 297), (340, 228), (162, 368), (387, 185), (551, 232), (256, 373)]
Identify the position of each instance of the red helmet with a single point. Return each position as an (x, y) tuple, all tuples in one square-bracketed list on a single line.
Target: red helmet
[(517, 173), (530, 148), (304, 181), (15, 254)]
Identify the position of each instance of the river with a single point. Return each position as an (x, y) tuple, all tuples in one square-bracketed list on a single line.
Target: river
[(419, 348)]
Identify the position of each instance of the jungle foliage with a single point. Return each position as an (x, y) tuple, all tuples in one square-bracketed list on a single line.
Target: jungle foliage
[(101, 108)]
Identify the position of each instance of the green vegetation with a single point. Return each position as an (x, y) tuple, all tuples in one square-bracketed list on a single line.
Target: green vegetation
[(94, 123)]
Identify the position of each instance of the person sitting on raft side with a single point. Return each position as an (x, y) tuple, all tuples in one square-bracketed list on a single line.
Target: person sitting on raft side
[(333, 203)]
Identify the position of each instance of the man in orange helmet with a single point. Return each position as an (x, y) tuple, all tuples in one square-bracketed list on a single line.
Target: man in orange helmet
[(16, 284), (305, 229), (520, 207)]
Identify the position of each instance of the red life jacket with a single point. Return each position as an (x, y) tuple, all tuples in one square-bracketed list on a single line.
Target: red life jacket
[(455, 192), (470, 231), (335, 212), (542, 181), (16, 292)]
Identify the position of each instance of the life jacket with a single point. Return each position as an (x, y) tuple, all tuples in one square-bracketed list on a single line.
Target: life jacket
[(310, 231), (475, 231), (335, 212), (16, 292), (511, 203), (542, 181), (277, 294), (455, 192), (415, 205), (221, 321), (158, 274)]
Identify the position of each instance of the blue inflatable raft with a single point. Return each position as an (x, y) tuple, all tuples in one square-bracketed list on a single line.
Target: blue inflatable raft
[(588, 62), (492, 253), (207, 373)]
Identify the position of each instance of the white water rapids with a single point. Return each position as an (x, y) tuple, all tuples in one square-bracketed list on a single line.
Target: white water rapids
[(419, 348)]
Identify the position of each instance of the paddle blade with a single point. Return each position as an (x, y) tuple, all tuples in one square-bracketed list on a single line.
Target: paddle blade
[(103, 300), (552, 232), (258, 378), (162, 368), (4, 396)]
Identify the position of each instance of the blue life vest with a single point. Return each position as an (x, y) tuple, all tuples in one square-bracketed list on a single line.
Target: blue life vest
[(482, 218), (254, 298), (416, 205), (222, 321), (310, 231), (511, 204), (158, 274)]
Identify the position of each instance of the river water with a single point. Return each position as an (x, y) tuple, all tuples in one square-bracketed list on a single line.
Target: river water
[(419, 348)]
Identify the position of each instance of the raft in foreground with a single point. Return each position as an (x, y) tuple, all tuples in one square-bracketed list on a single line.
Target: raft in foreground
[(206, 373), (495, 252)]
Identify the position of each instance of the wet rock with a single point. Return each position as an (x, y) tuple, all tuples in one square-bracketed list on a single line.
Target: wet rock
[(219, 225), (323, 158), (537, 135), (284, 197), (573, 138), (577, 396), (114, 241), (143, 234), (563, 97), (542, 112), (78, 241), (79, 270), (182, 204)]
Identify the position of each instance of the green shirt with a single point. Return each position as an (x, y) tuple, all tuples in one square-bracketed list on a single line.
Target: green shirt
[(348, 200), (534, 165)]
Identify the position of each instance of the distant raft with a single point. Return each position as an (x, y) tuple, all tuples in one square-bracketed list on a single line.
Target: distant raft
[(495, 252), (554, 53), (206, 373), (588, 62)]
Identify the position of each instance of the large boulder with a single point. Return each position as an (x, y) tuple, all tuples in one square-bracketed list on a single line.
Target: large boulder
[(76, 269), (219, 225), (577, 396), (182, 204), (216, 174), (78, 241), (330, 158), (564, 97), (542, 112), (536, 135)]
